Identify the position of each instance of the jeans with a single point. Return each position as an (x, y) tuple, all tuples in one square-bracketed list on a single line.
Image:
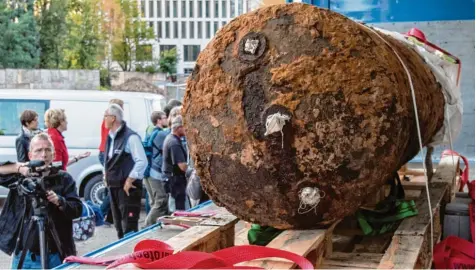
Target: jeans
[(106, 203), (33, 261), (172, 204), (101, 158), (147, 203)]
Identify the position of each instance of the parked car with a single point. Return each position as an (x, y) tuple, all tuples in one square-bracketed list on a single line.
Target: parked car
[(84, 111)]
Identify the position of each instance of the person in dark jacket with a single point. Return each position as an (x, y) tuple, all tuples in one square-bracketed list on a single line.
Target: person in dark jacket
[(106, 203), (155, 183), (64, 205), (125, 162), (175, 165), (29, 128)]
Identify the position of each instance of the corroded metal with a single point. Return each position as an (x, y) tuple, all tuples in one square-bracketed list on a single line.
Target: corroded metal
[(252, 46), (351, 116)]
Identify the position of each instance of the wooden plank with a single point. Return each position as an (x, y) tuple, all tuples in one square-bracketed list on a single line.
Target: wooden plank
[(212, 234), (402, 253), (301, 242), (373, 244), (413, 185), (410, 245), (418, 225), (241, 237), (200, 238), (339, 260)]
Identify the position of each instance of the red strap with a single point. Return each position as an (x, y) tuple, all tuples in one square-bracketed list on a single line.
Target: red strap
[(471, 189), (471, 217), (103, 261), (454, 253), (465, 174), (155, 254), (237, 254)]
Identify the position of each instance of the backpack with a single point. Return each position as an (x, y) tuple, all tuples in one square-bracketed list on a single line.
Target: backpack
[(148, 144)]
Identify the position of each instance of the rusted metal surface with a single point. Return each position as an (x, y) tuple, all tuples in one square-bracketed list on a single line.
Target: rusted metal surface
[(352, 121)]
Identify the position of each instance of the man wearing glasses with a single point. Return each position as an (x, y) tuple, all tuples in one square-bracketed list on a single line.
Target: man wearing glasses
[(124, 165)]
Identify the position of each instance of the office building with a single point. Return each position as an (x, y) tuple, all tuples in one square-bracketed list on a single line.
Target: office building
[(188, 25)]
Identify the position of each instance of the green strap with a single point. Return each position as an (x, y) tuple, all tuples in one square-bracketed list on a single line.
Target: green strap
[(373, 223), (262, 235), (387, 214)]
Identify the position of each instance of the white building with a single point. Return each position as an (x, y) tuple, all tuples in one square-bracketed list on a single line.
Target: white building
[(188, 25)]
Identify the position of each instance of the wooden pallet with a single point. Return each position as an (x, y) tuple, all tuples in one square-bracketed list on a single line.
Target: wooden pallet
[(343, 245)]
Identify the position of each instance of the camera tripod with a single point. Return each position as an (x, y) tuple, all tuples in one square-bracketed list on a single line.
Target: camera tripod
[(41, 219)]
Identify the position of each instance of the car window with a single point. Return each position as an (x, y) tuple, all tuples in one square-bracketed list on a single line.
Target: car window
[(10, 111), (84, 121)]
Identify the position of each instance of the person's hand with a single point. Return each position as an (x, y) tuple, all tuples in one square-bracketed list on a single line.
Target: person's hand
[(52, 197), (83, 155), (128, 185), (23, 169)]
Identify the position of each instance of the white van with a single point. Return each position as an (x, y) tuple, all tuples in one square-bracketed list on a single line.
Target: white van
[(84, 111)]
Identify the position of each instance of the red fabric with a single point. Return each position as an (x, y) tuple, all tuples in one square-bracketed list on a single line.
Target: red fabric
[(454, 253), (471, 208), (471, 219), (104, 132), (471, 189), (421, 36), (154, 254), (61, 152)]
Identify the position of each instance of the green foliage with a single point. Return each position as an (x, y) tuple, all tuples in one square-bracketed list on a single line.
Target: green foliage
[(144, 53), (84, 42), (168, 61), (134, 33), (151, 69), (105, 78), (53, 29), (19, 46)]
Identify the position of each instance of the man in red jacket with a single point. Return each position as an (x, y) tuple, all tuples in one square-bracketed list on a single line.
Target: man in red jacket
[(106, 205)]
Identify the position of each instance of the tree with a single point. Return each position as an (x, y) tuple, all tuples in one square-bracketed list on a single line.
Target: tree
[(111, 26), (19, 46), (51, 19), (134, 33), (168, 61), (84, 41)]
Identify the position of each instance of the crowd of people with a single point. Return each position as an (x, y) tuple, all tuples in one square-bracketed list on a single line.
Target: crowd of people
[(160, 163)]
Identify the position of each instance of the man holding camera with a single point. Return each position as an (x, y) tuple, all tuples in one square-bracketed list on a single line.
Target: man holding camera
[(63, 206)]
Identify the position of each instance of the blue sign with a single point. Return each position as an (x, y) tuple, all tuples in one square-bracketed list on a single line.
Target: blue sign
[(379, 11)]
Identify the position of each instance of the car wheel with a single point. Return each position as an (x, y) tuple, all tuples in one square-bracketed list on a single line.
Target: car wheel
[(95, 190)]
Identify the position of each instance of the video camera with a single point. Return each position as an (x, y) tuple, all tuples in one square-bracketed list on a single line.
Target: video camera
[(36, 184), (34, 187)]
